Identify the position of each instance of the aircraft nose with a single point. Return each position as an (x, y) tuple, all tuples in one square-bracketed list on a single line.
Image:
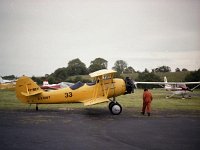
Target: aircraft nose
[(129, 86)]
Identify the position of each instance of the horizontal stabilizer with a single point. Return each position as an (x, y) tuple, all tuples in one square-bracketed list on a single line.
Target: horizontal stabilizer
[(95, 101), (32, 93)]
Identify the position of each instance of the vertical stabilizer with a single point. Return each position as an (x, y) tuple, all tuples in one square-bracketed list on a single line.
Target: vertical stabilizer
[(167, 86), (25, 88), (165, 79)]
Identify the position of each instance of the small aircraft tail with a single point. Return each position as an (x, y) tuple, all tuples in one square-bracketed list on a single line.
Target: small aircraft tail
[(165, 79), (45, 83), (167, 86), (26, 87)]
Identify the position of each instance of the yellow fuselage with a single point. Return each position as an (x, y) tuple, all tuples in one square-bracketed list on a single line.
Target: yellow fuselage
[(81, 94)]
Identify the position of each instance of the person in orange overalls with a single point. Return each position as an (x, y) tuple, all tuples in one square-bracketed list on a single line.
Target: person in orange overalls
[(147, 98)]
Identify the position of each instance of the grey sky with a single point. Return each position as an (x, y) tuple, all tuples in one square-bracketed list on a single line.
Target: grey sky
[(37, 37)]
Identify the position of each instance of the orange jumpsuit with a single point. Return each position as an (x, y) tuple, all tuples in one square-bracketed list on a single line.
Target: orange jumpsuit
[(147, 98)]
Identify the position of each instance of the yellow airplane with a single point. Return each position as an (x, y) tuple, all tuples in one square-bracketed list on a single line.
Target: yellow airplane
[(101, 90)]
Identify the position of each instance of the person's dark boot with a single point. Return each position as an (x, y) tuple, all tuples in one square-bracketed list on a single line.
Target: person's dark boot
[(142, 113), (148, 114)]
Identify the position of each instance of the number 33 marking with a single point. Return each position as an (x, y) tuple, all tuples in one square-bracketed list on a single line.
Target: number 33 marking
[(68, 94)]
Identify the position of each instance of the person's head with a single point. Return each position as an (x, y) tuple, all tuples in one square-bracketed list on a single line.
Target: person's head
[(145, 89)]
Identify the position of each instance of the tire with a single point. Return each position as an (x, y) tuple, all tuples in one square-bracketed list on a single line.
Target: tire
[(110, 105), (116, 109)]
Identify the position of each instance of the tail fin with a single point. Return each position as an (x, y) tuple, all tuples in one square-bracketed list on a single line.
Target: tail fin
[(45, 83), (26, 87), (165, 79), (167, 86)]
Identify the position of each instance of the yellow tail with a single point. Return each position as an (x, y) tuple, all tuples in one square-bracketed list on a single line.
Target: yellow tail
[(25, 88)]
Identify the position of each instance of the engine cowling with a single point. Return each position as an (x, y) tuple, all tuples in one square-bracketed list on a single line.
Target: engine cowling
[(129, 86)]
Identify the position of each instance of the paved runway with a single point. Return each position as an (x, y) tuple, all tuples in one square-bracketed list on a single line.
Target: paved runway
[(96, 129)]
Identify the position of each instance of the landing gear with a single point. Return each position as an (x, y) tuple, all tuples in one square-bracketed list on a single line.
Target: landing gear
[(36, 108), (115, 108), (111, 104)]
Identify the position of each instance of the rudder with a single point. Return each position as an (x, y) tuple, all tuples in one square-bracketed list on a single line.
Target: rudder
[(26, 87)]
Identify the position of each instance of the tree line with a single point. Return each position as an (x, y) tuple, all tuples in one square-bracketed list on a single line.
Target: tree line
[(77, 68)]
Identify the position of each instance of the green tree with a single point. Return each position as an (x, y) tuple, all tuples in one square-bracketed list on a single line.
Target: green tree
[(129, 70), (120, 66), (60, 75), (177, 70), (184, 69), (193, 76), (38, 80), (51, 79), (163, 69), (146, 70), (10, 77), (97, 64), (76, 67), (148, 77)]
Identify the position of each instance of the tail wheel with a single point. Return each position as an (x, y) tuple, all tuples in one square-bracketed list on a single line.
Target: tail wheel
[(115, 108), (36, 108)]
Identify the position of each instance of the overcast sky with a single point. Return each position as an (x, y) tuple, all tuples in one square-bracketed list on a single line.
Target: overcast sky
[(37, 37)]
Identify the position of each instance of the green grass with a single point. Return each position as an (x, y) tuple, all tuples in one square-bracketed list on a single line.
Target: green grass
[(8, 101)]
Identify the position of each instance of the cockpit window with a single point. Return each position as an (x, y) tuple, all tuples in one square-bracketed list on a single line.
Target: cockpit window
[(77, 85), (91, 83)]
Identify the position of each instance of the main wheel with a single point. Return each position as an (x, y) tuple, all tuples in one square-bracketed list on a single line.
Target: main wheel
[(110, 105), (116, 109)]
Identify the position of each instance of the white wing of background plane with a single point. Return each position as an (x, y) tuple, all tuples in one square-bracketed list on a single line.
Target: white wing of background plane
[(169, 83), (6, 81)]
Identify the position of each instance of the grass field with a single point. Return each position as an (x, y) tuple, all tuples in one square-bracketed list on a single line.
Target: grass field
[(8, 101)]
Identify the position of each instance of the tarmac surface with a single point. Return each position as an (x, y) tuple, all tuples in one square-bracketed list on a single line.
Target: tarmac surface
[(97, 129)]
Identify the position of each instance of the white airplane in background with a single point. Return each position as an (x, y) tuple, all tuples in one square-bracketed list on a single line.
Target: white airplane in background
[(2, 81), (7, 84), (177, 88)]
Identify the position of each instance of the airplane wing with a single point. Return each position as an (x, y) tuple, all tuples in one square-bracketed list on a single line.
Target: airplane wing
[(104, 82), (162, 83), (101, 72), (93, 101), (170, 83), (156, 83), (189, 83)]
